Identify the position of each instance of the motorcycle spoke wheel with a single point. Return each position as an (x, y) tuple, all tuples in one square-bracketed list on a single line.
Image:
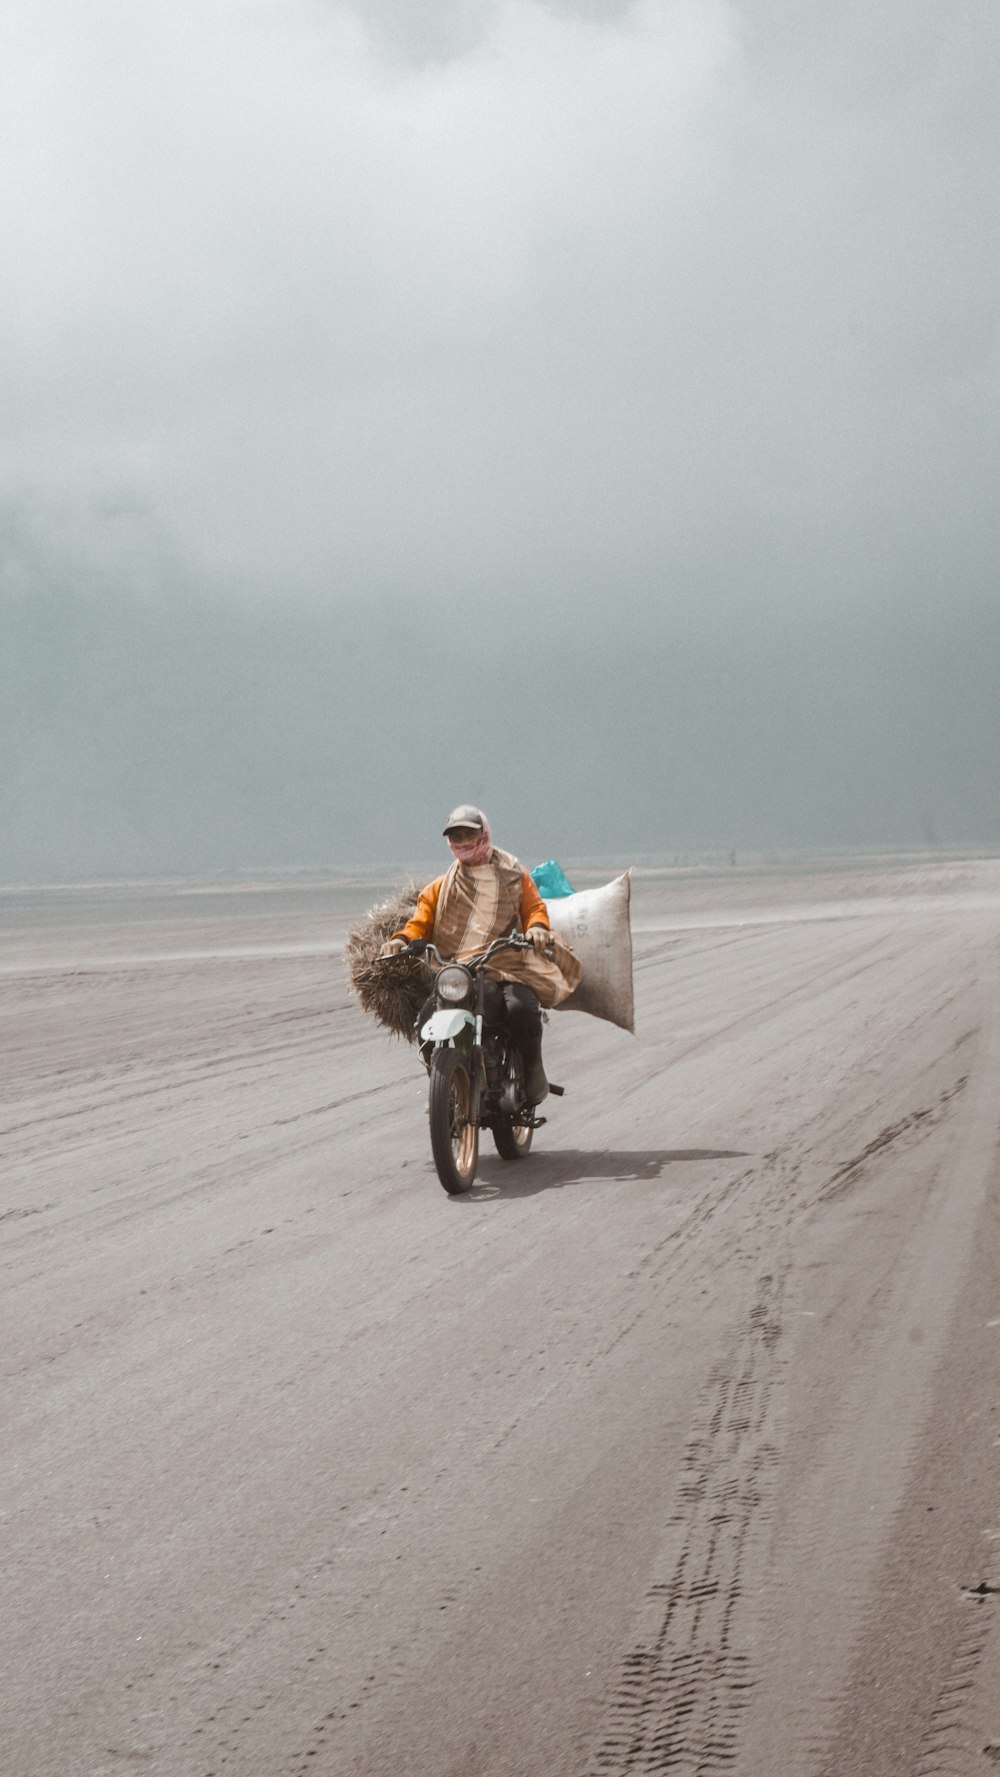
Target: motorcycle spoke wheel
[(454, 1140), (512, 1140)]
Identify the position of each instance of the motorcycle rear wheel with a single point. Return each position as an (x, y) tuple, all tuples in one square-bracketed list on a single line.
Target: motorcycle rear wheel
[(512, 1140), (454, 1140)]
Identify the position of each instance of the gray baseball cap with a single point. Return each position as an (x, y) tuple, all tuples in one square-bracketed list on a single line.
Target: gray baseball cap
[(464, 816)]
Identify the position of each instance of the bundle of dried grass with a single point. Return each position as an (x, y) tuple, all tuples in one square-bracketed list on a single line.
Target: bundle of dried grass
[(392, 991)]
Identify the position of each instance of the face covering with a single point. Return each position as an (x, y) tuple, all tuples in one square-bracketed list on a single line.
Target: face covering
[(475, 851)]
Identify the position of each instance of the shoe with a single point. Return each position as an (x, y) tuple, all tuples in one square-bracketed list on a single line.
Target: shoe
[(536, 1086)]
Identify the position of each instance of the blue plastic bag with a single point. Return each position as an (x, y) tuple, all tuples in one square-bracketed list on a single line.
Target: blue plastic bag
[(550, 881)]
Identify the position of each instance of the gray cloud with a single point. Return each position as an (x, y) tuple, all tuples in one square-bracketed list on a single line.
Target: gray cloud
[(423, 31), (427, 32), (668, 330), (581, 290)]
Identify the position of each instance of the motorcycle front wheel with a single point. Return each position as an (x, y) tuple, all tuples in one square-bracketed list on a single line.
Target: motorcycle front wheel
[(454, 1140)]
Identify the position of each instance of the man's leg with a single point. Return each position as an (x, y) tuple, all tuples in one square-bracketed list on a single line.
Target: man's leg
[(524, 1020)]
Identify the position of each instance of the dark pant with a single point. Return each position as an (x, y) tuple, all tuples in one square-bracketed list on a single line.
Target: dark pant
[(513, 1003)]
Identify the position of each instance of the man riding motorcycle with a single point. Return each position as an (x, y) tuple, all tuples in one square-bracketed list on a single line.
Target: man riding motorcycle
[(484, 895)]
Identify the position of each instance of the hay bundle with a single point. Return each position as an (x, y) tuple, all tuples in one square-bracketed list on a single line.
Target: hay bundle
[(392, 991)]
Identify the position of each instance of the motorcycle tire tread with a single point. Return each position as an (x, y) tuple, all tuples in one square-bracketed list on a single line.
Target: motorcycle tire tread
[(446, 1064)]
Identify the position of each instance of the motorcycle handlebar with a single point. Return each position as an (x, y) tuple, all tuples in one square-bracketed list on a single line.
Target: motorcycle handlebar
[(423, 946)]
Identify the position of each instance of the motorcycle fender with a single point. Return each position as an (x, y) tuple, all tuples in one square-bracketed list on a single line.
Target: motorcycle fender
[(442, 1027)]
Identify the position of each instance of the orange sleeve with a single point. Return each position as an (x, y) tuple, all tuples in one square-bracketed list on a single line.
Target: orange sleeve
[(421, 921), (533, 910)]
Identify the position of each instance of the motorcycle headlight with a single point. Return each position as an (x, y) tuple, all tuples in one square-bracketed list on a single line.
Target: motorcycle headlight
[(454, 985)]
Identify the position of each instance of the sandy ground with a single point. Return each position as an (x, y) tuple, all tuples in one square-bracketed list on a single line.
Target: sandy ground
[(675, 1448)]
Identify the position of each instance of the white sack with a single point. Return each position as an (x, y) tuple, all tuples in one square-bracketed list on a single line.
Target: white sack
[(595, 923)]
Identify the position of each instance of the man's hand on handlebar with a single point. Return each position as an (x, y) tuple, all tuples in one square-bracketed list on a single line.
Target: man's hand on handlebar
[(404, 947), (539, 936)]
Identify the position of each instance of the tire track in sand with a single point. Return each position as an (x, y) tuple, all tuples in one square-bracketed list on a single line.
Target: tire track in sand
[(957, 1742), (688, 1678)]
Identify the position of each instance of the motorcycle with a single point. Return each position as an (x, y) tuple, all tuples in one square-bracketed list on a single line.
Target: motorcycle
[(475, 1067)]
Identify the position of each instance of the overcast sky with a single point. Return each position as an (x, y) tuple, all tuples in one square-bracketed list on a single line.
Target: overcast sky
[(586, 406)]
